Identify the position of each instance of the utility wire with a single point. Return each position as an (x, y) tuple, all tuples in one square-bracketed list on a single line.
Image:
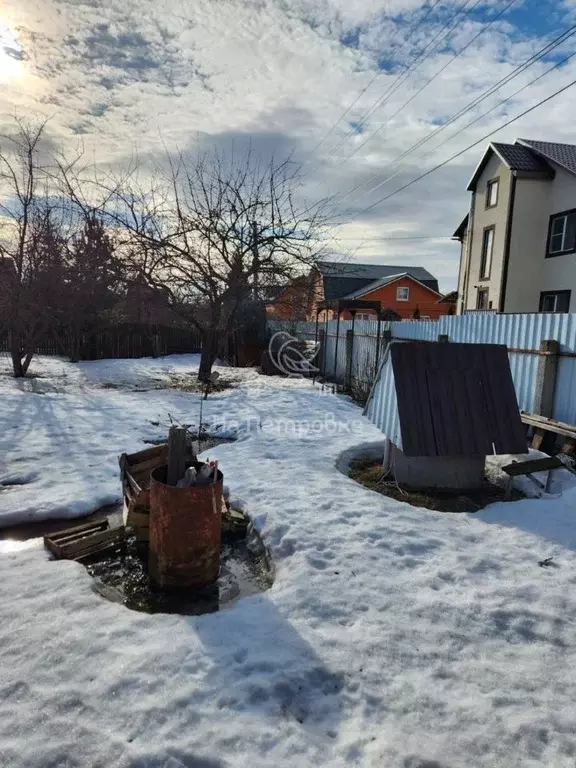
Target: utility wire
[(466, 149), (400, 80), (539, 55), (485, 28), (476, 119), (380, 239), (377, 74)]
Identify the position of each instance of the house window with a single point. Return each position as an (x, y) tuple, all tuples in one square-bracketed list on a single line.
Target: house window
[(492, 193), (402, 294), (482, 298), (487, 248), (562, 234), (555, 301)]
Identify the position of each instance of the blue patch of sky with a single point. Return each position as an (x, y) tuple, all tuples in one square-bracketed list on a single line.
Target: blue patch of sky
[(528, 19), (357, 127), (351, 38), (537, 18)]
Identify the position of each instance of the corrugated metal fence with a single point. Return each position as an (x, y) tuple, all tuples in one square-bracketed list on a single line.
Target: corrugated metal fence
[(522, 334)]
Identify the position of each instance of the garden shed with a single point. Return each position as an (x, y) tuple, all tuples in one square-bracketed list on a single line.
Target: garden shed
[(443, 408)]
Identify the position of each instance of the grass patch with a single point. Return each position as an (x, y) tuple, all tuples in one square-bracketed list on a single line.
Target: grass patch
[(369, 472), (188, 382)]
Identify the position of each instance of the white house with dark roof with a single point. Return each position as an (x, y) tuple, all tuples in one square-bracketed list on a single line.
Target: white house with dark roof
[(519, 238)]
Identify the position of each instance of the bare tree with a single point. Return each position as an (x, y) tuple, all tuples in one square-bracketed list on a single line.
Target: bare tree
[(32, 226), (215, 233)]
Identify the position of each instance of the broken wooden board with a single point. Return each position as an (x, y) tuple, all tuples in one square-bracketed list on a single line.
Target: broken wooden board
[(233, 521), (527, 468), (138, 518), (84, 541)]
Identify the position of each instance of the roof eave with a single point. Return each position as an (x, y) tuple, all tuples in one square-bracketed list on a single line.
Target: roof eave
[(462, 229), (480, 167), (547, 159), (393, 279)]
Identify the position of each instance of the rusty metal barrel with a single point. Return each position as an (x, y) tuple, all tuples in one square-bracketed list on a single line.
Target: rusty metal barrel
[(185, 531)]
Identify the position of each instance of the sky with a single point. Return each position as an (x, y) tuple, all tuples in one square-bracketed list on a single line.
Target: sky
[(345, 87)]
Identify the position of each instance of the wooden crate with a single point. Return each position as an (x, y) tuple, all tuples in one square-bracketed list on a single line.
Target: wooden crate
[(85, 541), (135, 472)]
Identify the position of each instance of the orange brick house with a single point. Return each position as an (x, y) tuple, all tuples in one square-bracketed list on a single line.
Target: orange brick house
[(402, 294), (401, 291)]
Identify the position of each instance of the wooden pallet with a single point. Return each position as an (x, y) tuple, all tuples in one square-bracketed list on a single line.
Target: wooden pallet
[(546, 430), (84, 541)]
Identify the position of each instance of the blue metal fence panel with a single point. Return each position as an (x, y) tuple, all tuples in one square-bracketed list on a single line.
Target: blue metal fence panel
[(517, 332), (382, 408), (417, 330)]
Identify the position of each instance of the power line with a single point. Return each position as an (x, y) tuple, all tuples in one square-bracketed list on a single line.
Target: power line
[(431, 80), (377, 74), (401, 79), (538, 56), (382, 239), (476, 120), (470, 146)]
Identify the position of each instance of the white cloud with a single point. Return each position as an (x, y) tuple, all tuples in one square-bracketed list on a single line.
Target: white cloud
[(134, 73)]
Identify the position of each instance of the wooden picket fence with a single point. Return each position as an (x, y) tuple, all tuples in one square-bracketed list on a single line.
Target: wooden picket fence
[(120, 341)]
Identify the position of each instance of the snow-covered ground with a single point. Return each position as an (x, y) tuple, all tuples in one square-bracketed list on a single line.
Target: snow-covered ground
[(392, 637)]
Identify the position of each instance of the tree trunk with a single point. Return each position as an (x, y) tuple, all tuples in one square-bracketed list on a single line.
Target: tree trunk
[(209, 354), (16, 355)]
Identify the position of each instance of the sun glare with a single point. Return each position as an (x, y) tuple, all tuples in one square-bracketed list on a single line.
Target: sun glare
[(11, 55)]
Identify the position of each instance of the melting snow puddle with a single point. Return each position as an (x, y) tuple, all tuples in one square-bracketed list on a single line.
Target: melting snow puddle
[(245, 570)]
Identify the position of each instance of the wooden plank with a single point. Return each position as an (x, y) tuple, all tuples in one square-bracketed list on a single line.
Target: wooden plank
[(132, 483), (538, 439), (62, 540), (98, 550), (147, 453), (535, 465), (84, 527), (80, 545), (148, 465), (551, 425)]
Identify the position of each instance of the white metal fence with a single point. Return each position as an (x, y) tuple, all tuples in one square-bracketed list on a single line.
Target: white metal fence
[(354, 361)]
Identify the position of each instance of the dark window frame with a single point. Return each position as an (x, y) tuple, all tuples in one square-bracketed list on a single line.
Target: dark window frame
[(483, 291), (483, 260), (545, 294), (553, 217), (489, 184)]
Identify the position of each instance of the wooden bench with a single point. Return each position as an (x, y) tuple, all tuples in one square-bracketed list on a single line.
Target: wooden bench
[(526, 468)]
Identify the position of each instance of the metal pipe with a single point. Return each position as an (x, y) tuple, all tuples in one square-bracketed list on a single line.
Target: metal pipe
[(351, 361), (336, 345), (325, 350), (387, 454), (316, 344), (379, 317)]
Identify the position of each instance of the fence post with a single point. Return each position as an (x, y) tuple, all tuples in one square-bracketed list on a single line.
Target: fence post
[(443, 337), (321, 349), (546, 377), (349, 351)]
